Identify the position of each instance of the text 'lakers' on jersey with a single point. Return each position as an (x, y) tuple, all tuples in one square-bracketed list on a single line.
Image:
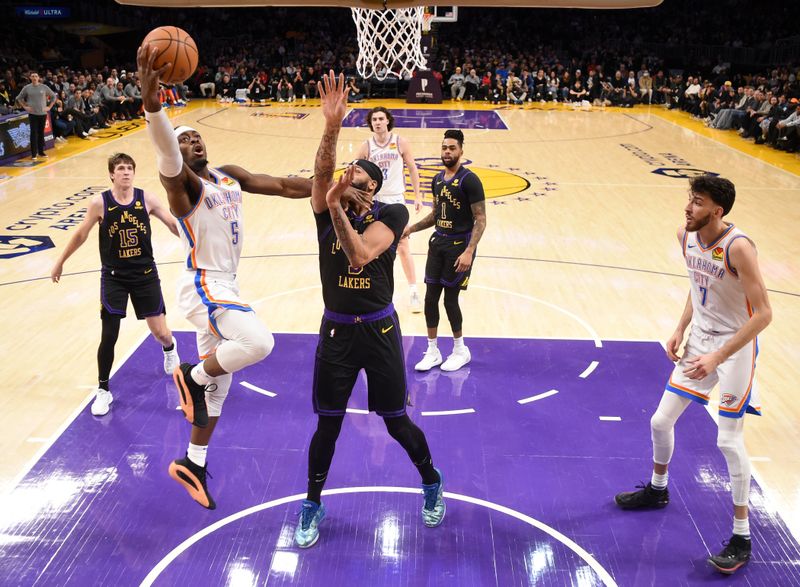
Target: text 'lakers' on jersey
[(359, 290), (390, 161), (452, 201), (719, 304), (125, 241), (213, 232)]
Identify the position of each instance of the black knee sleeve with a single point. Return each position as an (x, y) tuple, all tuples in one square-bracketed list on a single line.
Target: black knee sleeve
[(320, 453), (412, 439), (432, 294), (105, 352), (452, 308)]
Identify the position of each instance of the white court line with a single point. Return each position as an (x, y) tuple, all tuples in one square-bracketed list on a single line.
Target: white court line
[(601, 572), (257, 389), (356, 411), (449, 412), (610, 419), (595, 337), (534, 398), (719, 143), (70, 419), (589, 370)]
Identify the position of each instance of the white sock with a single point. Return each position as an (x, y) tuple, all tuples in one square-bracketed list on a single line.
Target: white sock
[(199, 374), (659, 481), (741, 527), (458, 343), (412, 288), (197, 454), (432, 344)]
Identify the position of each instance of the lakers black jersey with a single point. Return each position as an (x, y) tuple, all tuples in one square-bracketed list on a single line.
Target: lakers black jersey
[(452, 201), (358, 290), (125, 233)]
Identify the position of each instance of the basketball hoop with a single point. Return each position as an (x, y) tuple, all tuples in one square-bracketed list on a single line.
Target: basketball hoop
[(427, 21), (389, 41)]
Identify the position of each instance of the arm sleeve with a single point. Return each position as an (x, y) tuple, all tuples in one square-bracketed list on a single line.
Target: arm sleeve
[(168, 154)]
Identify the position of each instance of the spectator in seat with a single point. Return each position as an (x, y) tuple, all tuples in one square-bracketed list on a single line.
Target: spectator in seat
[(226, 91), (456, 83), (472, 82), (646, 87)]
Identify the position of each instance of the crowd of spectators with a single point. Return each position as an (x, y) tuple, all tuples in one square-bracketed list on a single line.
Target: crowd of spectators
[(513, 57)]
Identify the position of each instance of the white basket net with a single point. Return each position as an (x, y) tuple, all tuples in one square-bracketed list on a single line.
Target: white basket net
[(389, 41)]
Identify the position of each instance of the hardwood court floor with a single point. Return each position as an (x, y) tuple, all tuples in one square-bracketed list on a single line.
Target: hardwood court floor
[(580, 244)]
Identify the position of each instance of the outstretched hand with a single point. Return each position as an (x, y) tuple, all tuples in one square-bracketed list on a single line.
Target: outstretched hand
[(334, 196), (333, 94), (145, 56), (356, 200)]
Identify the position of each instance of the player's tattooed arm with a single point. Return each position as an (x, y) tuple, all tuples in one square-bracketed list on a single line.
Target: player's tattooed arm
[(479, 218), (426, 222), (333, 96), (360, 249)]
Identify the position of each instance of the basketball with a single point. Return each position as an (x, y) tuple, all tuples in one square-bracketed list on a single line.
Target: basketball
[(175, 46)]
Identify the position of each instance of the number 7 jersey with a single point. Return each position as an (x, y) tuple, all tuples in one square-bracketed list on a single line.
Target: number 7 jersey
[(719, 304), (212, 232)]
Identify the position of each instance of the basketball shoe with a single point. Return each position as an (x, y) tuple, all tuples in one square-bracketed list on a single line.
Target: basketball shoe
[(307, 531), (102, 402), (430, 359), (645, 498), (457, 359), (171, 358), (191, 395), (193, 479), (733, 557), (433, 507)]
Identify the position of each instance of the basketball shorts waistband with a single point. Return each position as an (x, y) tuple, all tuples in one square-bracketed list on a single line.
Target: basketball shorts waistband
[(359, 318), (455, 235)]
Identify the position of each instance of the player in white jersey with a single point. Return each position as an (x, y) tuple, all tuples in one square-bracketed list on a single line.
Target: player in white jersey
[(208, 205), (727, 307), (390, 152)]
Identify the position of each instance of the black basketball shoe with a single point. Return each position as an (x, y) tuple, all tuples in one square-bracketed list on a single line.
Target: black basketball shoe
[(192, 396), (193, 479), (645, 498), (733, 557)]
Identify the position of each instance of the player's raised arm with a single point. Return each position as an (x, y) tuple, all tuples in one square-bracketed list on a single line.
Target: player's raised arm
[(182, 184), (260, 183), (333, 94)]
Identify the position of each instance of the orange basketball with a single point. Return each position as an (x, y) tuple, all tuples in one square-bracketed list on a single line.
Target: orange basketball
[(175, 46)]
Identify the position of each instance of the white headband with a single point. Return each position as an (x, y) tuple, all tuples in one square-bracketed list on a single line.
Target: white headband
[(182, 129)]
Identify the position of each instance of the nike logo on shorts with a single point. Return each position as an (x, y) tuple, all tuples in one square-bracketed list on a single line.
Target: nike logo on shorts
[(146, 271), (689, 246), (385, 330), (457, 242)]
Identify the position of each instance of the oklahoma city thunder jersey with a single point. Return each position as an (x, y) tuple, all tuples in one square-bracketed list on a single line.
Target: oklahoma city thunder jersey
[(212, 233), (390, 161), (719, 304)]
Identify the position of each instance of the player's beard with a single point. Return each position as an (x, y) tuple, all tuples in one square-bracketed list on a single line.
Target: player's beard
[(453, 163), (694, 224), (197, 165), (364, 186)]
